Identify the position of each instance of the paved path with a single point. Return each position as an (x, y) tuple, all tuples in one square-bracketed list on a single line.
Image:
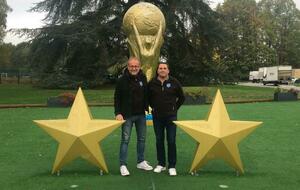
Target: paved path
[(268, 86)]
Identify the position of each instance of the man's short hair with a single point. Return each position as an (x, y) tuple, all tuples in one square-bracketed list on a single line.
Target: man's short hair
[(165, 63), (133, 58)]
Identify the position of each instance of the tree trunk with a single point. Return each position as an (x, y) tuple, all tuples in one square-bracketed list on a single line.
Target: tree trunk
[(19, 76)]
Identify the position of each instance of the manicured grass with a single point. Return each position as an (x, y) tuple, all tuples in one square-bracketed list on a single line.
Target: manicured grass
[(235, 93), (271, 154), (26, 94)]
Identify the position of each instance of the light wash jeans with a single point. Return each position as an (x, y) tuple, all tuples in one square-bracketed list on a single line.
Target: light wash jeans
[(140, 125)]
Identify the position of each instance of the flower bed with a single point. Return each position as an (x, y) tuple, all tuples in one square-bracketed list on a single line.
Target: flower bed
[(285, 95), (62, 100)]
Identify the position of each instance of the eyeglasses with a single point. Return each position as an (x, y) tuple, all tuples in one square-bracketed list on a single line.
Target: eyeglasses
[(133, 66)]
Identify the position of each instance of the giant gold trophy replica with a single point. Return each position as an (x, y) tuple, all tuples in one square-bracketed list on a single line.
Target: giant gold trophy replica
[(79, 135), (144, 25), (218, 136)]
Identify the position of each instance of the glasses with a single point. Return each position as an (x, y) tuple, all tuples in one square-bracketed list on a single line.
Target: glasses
[(133, 66)]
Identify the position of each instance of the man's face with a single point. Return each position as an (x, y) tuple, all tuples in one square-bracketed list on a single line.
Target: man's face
[(163, 70), (133, 66)]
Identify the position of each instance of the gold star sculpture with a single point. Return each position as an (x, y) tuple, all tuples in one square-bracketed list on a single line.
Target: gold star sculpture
[(218, 136), (79, 135)]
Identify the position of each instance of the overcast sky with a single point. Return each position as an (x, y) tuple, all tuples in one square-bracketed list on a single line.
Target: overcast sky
[(21, 18)]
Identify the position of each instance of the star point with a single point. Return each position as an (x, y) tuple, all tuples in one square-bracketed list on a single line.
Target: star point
[(218, 136), (79, 135)]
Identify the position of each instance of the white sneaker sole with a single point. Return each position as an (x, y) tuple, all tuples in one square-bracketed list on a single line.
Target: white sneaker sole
[(163, 169), (147, 169), (124, 175)]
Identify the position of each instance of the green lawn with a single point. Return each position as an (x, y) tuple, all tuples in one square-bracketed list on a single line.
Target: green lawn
[(271, 154), (236, 93), (26, 94)]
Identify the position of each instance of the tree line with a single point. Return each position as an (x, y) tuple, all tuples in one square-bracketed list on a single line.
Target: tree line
[(83, 42)]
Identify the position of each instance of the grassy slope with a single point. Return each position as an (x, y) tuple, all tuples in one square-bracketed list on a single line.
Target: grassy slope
[(270, 155)]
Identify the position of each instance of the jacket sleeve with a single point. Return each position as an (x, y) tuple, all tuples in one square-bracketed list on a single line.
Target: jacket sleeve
[(150, 95), (180, 95), (117, 98), (146, 99)]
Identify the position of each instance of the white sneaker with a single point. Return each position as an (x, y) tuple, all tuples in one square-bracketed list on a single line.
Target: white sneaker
[(172, 172), (124, 171), (144, 166), (159, 169)]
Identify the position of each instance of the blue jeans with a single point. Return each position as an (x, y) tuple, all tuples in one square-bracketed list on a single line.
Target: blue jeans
[(160, 125), (140, 126)]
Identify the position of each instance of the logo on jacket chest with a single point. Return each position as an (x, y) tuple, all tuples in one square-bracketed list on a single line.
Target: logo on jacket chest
[(168, 85), (141, 83)]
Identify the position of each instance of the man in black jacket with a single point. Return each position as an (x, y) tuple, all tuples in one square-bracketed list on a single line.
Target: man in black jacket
[(165, 97), (131, 102)]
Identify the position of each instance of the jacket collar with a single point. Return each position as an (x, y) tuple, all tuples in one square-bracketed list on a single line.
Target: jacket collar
[(156, 80)]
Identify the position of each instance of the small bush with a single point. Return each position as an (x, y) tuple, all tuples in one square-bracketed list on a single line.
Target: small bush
[(198, 93), (62, 100)]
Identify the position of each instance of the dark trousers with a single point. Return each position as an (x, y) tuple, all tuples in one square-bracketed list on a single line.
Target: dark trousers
[(162, 124)]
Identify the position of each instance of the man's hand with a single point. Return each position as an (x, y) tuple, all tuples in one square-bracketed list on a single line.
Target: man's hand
[(119, 117)]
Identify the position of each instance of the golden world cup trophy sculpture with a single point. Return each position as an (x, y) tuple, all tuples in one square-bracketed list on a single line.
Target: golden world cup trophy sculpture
[(144, 25)]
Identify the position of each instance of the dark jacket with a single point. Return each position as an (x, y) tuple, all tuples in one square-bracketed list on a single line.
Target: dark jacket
[(165, 99), (130, 96)]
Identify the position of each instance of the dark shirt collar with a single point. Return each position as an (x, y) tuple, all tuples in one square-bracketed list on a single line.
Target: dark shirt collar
[(164, 80)]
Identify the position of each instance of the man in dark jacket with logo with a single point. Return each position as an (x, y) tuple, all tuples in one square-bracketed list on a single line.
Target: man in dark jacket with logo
[(131, 102), (165, 97)]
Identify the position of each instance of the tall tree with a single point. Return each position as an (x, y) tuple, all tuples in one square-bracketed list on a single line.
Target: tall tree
[(84, 38), (281, 24), (4, 8), (5, 55), (79, 51), (244, 51), (19, 60), (193, 32)]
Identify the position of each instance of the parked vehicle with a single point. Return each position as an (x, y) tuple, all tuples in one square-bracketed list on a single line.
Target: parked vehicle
[(253, 76), (297, 81), (277, 74), (296, 73), (256, 76), (293, 80)]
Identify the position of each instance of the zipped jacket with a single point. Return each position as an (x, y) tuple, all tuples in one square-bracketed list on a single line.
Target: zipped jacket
[(165, 98), (130, 95)]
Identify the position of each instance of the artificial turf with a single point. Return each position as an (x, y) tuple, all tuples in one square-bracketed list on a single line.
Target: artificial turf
[(271, 154)]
